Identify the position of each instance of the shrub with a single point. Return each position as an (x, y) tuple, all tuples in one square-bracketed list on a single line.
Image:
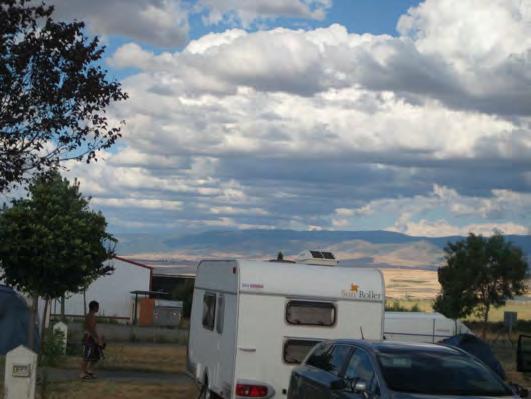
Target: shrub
[(53, 349), (396, 306)]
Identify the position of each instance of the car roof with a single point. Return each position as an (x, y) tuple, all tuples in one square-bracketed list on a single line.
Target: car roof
[(389, 346)]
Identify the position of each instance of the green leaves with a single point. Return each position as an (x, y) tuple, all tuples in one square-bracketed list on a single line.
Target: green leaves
[(51, 92), (52, 243), (480, 273)]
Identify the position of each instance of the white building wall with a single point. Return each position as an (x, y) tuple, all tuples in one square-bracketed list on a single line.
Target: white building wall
[(112, 292)]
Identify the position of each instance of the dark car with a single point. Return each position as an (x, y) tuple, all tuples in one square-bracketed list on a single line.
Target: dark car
[(364, 369)]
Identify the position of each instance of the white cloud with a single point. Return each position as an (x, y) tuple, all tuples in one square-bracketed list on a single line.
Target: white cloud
[(230, 210), (250, 11), (484, 45), (160, 22), (421, 214), (472, 33), (137, 203), (499, 202), (284, 127), (441, 228)]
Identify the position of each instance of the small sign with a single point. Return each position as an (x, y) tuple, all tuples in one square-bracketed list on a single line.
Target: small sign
[(21, 370)]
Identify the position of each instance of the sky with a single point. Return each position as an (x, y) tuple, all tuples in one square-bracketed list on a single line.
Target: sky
[(396, 115)]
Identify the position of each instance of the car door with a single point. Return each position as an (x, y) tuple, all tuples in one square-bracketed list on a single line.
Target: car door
[(322, 369), (359, 368)]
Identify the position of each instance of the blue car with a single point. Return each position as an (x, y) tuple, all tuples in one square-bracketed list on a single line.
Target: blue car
[(391, 370)]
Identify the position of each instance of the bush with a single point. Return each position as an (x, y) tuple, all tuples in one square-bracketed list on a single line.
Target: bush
[(395, 306), (184, 292), (53, 349)]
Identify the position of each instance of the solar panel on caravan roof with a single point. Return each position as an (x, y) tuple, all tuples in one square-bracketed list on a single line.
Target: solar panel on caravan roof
[(317, 254)]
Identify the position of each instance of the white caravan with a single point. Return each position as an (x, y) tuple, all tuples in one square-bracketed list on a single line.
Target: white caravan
[(421, 327), (253, 321)]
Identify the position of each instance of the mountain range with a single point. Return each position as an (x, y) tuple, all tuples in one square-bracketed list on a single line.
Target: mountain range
[(364, 248)]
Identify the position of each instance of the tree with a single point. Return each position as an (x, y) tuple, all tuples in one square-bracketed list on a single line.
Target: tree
[(51, 242), (53, 92), (480, 273), (185, 292)]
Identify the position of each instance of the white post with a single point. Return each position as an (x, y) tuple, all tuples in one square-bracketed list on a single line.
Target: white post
[(20, 374), (62, 328)]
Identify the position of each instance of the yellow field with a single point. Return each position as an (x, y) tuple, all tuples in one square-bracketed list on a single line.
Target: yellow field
[(420, 287), (522, 308), (410, 284)]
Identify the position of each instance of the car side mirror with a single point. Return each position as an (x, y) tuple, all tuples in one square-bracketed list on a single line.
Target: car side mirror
[(359, 386), (338, 384)]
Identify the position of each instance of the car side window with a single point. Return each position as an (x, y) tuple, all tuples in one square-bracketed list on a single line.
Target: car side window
[(338, 357), (320, 357), (360, 368)]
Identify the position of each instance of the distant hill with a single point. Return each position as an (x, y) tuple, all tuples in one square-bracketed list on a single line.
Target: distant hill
[(367, 248)]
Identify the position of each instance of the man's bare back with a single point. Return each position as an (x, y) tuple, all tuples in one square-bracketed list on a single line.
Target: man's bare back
[(91, 342)]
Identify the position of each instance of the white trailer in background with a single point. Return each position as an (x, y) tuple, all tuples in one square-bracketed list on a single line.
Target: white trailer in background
[(421, 327), (253, 321)]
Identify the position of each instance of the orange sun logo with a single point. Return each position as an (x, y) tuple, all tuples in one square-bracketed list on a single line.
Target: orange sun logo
[(354, 287)]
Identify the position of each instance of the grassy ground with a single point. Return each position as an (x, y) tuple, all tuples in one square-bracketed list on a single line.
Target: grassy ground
[(154, 358), (168, 358), (171, 358), (506, 354), (119, 390)]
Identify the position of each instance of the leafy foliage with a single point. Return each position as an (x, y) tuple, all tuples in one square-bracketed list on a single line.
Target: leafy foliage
[(53, 94), (396, 306), (54, 349), (184, 292), (52, 243), (480, 273)]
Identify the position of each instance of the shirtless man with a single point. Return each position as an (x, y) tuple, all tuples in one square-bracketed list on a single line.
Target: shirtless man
[(91, 342)]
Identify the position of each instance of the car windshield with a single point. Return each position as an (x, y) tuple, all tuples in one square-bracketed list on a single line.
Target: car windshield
[(437, 372)]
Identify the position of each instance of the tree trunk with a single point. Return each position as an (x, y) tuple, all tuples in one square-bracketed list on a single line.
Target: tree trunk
[(85, 302), (63, 317), (43, 325), (32, 320), (485, 322)]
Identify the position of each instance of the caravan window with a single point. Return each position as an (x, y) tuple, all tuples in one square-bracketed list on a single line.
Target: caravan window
[(221, 314), (311, 313), (295, 350), (209, 311)]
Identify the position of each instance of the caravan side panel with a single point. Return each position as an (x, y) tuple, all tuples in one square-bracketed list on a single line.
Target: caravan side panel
[(213, 326), (264, 332)]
